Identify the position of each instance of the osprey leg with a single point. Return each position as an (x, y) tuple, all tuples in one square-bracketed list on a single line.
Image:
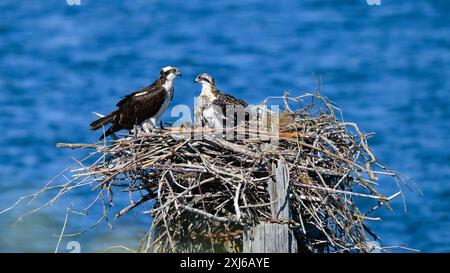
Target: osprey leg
[(148, 127)]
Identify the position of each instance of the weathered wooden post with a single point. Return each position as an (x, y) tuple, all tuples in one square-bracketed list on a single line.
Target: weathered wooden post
[(275, 237)]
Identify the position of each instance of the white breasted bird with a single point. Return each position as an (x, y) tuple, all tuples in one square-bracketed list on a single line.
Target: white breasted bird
[(210, 110), (147, 103)]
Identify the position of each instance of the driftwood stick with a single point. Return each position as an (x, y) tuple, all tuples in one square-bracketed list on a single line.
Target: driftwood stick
[(205, 214), (132, 206), (77, 145)]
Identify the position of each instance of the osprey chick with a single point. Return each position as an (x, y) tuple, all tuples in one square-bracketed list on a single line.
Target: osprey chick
[(147, 103), (210, 110)]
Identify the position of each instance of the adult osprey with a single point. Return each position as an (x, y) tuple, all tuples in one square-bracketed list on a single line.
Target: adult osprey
[(210, 110), (147, 103)]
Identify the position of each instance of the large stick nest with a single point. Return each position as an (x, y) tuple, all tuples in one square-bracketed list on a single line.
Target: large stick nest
[(204, 193)]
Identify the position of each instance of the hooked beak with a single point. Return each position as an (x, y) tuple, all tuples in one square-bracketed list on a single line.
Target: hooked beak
[(196, 80), (178, 73)]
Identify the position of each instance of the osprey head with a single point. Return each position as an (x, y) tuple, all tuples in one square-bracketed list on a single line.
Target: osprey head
[(205, 79), (170, 72)]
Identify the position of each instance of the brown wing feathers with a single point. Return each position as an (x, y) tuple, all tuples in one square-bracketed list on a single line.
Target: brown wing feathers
[(133, 109)]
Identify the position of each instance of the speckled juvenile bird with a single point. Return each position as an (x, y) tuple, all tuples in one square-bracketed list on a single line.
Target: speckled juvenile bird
[(210, 110)]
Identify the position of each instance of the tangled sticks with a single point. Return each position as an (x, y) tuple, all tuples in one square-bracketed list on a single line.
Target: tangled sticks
[(205, 193)]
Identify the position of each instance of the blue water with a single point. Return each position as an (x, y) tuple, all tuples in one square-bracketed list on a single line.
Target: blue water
[(387, 67)]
